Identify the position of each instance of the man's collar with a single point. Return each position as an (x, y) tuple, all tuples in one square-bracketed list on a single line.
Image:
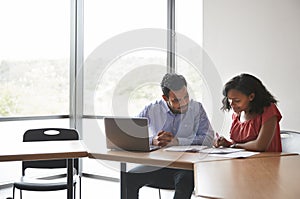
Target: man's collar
[(166, 107), (168, 110)]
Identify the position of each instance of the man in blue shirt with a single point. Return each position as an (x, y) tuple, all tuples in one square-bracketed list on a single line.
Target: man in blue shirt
[(174, 120)]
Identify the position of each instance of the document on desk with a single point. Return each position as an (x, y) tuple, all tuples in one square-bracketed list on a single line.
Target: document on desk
[(240, 154), (228, 152), (223, 150), (190, 148)]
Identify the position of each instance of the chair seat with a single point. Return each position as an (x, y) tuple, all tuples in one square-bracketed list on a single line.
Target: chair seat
[(161, 186), (35, 184)]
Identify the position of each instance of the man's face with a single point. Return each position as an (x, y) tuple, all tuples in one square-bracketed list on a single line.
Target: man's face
[(178, 101)]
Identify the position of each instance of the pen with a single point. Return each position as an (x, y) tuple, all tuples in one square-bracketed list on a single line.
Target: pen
[(219, 139), (216, 140)]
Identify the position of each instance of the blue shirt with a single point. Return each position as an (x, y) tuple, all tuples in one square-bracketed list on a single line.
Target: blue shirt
[(191, 127)]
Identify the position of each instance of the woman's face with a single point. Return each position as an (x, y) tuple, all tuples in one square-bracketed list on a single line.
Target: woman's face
[(239, 101)]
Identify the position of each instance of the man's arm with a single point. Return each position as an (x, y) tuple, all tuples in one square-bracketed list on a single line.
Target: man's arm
[(203, 133), (152, 113), (145, 113)]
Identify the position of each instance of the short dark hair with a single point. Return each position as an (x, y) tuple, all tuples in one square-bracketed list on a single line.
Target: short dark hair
[(172, 81), (247, 84)]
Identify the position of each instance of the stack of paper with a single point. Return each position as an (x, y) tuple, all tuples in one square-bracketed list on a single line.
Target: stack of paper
[(229, 152), (217, 152), (191, 148), (241, 154), (223, 150)]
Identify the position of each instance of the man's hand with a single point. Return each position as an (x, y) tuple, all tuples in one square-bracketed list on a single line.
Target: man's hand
[(164, 138)]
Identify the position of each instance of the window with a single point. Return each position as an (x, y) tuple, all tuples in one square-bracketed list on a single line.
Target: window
[(117, 76), (34, 69), (114, 81), (34, 57), (121, 73), (189, 19), (191, 60)]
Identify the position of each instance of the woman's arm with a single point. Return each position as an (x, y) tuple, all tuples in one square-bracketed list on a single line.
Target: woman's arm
[(264, 138)]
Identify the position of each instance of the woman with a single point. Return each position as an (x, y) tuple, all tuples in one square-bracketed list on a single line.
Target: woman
[(255, 124)]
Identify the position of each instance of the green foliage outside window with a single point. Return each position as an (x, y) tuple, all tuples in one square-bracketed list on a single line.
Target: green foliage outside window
[(8, 103)]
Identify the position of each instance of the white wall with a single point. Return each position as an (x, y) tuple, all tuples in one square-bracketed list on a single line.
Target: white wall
[(261, 37)]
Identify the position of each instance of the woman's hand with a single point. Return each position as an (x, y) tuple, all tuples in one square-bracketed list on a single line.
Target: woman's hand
[(221, 141)]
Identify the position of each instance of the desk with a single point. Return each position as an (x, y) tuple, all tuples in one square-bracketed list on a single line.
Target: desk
[(154, 158), (46, 150), (162, 158), (273, 177)]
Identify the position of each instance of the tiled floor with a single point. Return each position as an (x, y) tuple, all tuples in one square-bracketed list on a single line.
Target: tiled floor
[(91, 188)]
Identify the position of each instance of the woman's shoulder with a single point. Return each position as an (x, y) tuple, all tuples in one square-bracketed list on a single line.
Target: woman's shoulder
[(271, 111), (271, 108)]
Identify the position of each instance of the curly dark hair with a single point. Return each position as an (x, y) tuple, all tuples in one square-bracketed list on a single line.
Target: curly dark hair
[(172, 81), (247, 84)]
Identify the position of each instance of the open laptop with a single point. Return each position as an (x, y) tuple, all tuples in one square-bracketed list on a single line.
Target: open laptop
[(130, 134)]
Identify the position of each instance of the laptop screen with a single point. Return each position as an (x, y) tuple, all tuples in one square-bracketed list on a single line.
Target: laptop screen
[(127, 133)]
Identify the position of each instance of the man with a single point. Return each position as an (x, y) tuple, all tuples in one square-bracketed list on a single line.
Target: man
[(174, 120)]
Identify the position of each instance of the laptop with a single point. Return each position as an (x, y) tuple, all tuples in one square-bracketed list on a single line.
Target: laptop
[(130, 134)]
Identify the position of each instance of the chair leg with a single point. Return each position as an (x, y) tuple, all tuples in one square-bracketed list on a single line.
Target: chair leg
[(20, 194), (159, 193), (14, 192), (79, 187), (74, 194)]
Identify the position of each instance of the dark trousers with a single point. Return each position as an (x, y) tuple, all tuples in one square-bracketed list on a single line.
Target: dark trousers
[(166, 178)]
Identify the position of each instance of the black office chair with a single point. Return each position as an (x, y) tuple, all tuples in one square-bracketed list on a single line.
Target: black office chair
[(159, 187), (162, 187), (48, 183), (290, 141)]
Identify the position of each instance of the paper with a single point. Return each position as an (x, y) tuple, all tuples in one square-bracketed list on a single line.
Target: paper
[(191, 148), (223, 150), (241, 154)]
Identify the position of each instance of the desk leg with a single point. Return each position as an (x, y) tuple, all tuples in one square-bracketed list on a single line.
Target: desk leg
[(70, 163), (122, 180)]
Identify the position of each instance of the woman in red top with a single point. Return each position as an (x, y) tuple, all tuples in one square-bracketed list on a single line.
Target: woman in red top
[(255, 124)]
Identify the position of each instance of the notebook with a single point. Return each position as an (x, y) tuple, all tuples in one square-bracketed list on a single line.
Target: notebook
[(130, 134)]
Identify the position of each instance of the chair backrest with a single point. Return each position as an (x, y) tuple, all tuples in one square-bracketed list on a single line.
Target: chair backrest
[(49, 134), (290, 141)]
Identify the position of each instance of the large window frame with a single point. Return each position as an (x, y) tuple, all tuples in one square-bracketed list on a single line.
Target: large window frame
[(76, 114), (77, 62)]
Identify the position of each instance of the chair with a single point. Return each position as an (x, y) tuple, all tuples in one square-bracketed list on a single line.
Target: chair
[(159, 187), (53, 183), (290, 141)]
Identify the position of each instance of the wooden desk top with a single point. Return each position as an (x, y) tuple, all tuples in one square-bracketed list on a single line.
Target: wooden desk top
[(273, 177), (181, 160), (43, 150), (154, 158)]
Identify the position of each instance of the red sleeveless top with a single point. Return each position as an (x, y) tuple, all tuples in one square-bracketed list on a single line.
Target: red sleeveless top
[(241, 132)]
